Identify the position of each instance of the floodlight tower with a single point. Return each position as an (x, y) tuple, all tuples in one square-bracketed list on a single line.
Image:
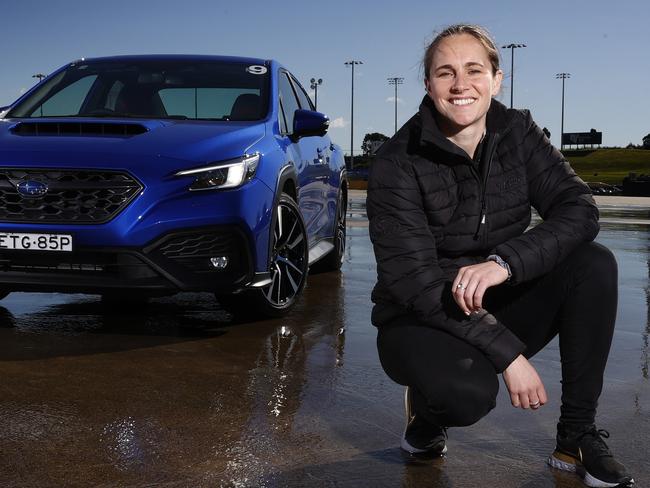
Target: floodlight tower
[(314, 86), (512, 48), (352, 63), (395, 81), (562, 76)]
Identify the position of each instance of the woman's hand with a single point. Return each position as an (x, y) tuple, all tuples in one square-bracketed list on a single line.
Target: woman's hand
[(524, 384), (472, 281)]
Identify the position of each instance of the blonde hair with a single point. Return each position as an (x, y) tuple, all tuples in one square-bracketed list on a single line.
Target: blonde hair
[(476, 31)]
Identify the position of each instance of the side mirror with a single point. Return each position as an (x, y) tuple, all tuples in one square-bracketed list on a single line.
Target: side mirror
[(309, 123)]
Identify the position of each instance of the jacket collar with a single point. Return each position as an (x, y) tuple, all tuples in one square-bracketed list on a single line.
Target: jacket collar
[(499, 119)]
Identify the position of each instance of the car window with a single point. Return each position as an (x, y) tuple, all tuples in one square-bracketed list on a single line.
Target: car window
[(288, 100), (176, 88), (113, 94), (202, 103), (67, 101), (303, 98), (281, 119)]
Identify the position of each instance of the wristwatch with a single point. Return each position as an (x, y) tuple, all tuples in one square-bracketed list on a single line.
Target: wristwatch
[(499, 260)]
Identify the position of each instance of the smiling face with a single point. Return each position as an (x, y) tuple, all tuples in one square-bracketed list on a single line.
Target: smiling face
[(461, 83)]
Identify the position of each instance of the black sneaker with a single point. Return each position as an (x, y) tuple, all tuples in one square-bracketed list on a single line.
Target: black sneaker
[(581, 449), (420, 437)]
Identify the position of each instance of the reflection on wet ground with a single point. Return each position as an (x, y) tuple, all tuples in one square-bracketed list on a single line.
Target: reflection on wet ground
[(610, 212), (176, 395)]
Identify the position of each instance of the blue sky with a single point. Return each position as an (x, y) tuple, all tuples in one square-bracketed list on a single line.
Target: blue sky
[(604, 45)]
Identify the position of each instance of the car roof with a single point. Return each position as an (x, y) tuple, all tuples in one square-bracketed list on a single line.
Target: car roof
[(175, 57)]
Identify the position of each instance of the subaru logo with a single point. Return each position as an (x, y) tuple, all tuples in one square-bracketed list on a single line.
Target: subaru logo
[(31, 188)]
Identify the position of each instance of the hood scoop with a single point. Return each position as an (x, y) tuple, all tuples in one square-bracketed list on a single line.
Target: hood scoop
[(78, 129)]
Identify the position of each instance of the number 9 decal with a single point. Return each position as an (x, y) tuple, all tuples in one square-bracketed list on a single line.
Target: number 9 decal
[(256, 69)]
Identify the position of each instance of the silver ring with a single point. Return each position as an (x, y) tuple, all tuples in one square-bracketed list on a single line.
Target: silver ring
[(460, 285), (534, 405)]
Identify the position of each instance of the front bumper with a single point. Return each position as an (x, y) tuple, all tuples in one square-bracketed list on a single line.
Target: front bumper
[(177, 261)]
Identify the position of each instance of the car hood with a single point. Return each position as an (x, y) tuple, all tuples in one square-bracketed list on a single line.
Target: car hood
[(167, 145)]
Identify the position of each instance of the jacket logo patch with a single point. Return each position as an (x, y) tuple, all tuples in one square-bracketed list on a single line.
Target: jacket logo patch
[(510, 182)]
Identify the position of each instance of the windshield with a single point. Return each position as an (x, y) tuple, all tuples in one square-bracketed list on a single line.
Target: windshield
[(199, 90)]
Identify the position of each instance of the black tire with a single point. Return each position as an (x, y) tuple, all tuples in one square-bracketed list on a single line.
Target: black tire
[(288, 265), (334, 259)]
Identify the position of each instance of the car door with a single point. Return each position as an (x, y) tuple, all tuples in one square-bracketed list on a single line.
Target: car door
[(302, 152), (319, 146)]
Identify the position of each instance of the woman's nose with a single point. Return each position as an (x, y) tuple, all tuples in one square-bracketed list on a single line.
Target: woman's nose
[(460, 84)]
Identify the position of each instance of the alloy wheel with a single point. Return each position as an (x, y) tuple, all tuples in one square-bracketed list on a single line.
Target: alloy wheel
[(289, 264)]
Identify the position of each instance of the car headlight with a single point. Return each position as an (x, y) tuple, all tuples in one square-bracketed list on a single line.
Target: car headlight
[(224, 174)]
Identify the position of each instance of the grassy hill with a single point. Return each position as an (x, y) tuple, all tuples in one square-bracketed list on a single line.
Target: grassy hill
[(609, 165), (606, 165)]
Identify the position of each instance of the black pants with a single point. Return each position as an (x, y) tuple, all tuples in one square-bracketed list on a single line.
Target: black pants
[(453, 384)]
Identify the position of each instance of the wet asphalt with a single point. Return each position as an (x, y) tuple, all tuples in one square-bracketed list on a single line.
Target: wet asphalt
[(177, 394)]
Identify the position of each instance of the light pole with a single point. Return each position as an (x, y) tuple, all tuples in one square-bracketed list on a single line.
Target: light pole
[(352, 62), (395, 81), (512, 48), (314, 86), (562, 76), (40, 77)]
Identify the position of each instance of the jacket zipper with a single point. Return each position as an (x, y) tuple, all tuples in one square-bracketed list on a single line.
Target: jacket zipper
[(483, 182)]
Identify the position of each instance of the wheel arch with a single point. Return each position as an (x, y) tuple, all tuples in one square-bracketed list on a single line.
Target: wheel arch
[(287, 182)]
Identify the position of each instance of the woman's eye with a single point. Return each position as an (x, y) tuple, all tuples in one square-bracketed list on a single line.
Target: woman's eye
[(475, 72), (444, 74)]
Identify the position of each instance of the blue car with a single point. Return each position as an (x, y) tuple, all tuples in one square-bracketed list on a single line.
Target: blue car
[(135, 176)]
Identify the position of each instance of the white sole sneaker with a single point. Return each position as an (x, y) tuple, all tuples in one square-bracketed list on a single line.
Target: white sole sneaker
[(564, 462), (404, 445)]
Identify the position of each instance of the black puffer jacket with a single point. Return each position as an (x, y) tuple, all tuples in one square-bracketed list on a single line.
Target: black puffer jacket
[(432, 209)]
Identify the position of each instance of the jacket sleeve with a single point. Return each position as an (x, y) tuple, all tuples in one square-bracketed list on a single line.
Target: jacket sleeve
[(563, 201), (407, 264)]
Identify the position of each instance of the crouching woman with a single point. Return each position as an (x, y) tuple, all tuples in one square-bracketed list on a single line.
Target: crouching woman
[(464, 291)]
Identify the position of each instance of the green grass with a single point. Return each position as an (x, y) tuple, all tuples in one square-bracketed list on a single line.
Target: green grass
[(609, 165), (606, 165)]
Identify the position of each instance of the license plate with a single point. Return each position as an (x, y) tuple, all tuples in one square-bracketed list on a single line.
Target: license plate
[(35, 242)]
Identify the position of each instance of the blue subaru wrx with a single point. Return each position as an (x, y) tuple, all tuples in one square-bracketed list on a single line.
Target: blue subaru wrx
[(149, 175)]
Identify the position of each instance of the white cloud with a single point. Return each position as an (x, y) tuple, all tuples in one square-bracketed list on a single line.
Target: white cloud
[(339, 123), (392, 100)]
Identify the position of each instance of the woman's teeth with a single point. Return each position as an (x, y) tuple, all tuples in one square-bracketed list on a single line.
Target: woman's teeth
[(462, 101)]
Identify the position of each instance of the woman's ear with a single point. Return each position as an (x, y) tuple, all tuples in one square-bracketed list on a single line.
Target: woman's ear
[(427, 86), (496, 82)]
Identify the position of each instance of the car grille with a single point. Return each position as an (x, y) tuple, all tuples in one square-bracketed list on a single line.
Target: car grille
[(196, 245), (71, 196), (86, 263), (195, 250)]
